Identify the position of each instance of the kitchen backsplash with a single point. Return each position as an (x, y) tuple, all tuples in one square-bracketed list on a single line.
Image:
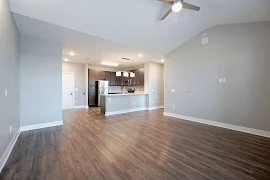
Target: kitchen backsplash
[(119, 89)]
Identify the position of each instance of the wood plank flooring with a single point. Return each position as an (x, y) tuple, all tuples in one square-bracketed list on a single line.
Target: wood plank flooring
[(140, 145)]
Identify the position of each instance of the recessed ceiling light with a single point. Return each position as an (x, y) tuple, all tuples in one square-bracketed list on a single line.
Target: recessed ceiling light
[(162, 60), (72, 53), (140, 54), (66, 59), (109, 63)]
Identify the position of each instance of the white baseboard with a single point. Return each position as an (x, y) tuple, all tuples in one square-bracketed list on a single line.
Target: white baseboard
[(124, 111), (40, 126), (80, 107), (219, 124), (6, 154), (133, 110), (155, 107)]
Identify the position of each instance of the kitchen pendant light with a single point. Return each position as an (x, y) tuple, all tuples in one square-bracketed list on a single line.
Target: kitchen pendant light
[(125, 74), (118, 73), (132, 74)]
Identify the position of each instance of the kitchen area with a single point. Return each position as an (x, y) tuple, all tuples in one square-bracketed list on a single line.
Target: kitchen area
[(115, 91)]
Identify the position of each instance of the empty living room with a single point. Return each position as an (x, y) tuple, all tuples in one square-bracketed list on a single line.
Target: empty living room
[(137, 89)]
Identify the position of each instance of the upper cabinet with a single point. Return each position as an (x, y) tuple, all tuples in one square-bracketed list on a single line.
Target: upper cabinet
[(112, 78), (95, 75), (107, 76), (91, 77)]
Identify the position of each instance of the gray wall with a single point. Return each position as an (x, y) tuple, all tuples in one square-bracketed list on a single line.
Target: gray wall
[(41, 81), (240, 53), (154, 84), (79, 80), (9, 76)]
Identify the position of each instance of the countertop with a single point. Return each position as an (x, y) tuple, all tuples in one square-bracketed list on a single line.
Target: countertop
[(126, 94)]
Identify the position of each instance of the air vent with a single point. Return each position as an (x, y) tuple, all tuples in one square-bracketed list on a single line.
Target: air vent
[(126, 59)]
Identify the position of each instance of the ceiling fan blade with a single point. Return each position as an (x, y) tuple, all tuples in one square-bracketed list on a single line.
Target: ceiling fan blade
[(167, 14), (167, 1), (190, 6)]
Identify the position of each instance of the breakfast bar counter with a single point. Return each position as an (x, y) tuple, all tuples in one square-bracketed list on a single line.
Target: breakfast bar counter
[(118, 103)]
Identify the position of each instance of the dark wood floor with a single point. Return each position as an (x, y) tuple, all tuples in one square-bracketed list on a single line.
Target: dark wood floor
[(140, 145)]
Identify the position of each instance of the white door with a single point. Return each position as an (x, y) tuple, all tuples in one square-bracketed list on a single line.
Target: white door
[(67, 90)]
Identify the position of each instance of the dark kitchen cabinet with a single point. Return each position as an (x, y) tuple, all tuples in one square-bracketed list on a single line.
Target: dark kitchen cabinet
[(91, 95), (141, 72), (91, 77), (138, 80), (112, 78), (97, 72), (102, 75), (108, 76)]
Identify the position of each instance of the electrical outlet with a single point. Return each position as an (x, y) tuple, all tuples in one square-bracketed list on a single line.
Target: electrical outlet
[(205, 40), (152, 89), (173, 106), (134, 103), (172, 90), (10, 128), (152, 102), (109, 99)]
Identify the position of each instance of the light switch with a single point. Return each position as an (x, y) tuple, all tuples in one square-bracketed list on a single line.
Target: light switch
[(109, 99), (134, 103), (152, 102), (224, 80), (152, 89), (6, 93), (76, 89), (173, 107), (220, 80), (172, 90)]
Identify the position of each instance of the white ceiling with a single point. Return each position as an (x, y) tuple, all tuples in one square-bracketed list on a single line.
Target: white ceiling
[(84, 46), (135, 23)]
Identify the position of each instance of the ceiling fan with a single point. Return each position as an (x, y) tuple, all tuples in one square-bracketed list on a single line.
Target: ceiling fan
[(177, 5)]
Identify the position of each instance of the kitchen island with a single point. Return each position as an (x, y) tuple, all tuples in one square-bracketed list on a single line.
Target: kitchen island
[(111, 104)]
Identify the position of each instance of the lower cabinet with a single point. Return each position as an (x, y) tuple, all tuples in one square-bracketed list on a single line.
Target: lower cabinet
[(91, 96)]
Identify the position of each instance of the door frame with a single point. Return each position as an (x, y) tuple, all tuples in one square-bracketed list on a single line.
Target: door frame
[(73, 92)]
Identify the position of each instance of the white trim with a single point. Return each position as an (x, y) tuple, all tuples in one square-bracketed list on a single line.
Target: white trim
[(124, 111), (42, 125), (132, 110), (73, 88), (155, 107), (219, 124), (80, 107), (6, 154)]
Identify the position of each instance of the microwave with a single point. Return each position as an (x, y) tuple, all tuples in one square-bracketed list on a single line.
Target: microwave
[(127, 82)]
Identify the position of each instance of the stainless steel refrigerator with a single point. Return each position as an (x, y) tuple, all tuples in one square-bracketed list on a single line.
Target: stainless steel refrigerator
[(102, 87)]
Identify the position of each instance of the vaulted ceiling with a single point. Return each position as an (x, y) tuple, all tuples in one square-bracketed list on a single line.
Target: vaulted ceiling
[(136, 23)]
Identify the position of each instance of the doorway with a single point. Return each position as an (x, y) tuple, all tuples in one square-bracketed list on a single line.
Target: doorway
[(67, 90)]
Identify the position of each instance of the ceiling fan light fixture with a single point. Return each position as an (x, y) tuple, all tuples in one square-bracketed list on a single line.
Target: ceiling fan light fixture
[(177, 6)]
